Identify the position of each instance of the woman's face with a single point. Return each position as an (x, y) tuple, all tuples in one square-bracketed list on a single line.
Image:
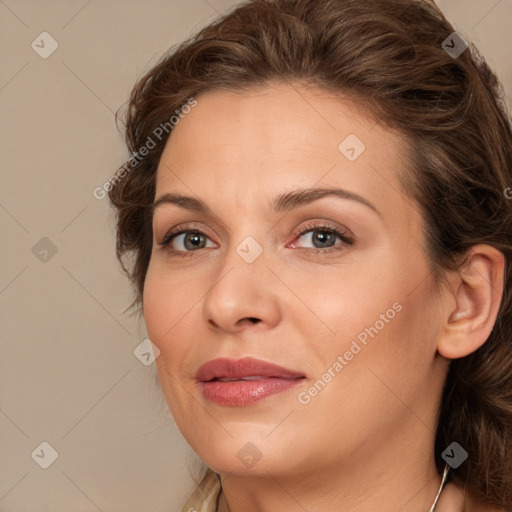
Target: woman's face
[(335, 288)]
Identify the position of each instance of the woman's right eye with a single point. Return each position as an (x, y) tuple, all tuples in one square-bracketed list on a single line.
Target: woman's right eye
[(185, 241)]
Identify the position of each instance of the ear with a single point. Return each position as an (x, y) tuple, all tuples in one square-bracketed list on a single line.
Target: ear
[(477, 290)]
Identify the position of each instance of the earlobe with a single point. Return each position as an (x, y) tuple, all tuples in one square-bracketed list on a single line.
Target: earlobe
[(477, 293)]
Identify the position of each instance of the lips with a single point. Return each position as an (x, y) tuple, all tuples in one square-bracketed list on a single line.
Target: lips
[(231, 382), (246, 368)]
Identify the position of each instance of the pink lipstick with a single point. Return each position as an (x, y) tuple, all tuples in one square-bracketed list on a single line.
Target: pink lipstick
[(238, 382)]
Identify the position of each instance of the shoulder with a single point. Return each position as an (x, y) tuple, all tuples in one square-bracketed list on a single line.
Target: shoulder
[(206, 495)]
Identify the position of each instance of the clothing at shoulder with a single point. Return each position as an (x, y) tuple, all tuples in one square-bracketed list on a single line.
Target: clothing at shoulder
[(206, 496)]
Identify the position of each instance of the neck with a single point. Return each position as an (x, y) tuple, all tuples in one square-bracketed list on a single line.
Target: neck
[(277, 496), (398, 477)]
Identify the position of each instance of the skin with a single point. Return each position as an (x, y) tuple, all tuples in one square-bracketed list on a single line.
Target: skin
[(366, 441)]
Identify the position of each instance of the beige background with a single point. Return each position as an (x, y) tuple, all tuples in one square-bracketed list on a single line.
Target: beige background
[(68, 374)]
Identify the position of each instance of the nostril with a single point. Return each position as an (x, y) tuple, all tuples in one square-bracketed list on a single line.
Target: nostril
[(253, 320)]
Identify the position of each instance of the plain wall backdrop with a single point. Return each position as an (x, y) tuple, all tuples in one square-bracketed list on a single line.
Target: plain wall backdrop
[(68, 373)]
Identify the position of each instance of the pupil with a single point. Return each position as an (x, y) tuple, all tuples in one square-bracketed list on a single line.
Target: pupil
[(194, 239), (323, 237)]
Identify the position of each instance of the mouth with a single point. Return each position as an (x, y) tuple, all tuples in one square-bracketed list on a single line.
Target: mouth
[(241, 382), (250, 377)]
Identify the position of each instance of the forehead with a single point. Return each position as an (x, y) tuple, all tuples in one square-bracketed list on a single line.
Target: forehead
[(271, 139)]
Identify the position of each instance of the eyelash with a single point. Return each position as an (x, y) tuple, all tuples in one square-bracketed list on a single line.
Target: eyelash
[(325, 228)]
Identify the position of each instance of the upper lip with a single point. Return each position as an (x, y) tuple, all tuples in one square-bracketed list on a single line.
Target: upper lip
[(245, 367)]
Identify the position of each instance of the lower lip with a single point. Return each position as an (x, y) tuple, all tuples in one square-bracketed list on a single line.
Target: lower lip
[(244, 392)]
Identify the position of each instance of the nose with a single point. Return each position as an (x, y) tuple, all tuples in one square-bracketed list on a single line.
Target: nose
[(244, 295)]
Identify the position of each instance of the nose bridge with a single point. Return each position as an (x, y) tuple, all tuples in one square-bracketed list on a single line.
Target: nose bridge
[(246, 239), (243, 269), (249, 250)]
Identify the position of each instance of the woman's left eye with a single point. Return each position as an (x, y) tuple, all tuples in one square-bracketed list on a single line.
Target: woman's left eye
[(323, 237)]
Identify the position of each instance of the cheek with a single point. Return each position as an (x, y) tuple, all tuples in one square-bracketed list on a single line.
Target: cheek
[(165, 316), (155, 307), (340, 303), (165, 307), (376, 311)]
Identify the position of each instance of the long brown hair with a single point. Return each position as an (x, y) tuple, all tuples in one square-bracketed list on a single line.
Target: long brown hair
[(391, 56)]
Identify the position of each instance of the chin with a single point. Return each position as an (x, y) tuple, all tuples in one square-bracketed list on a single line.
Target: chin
[(246, 456)]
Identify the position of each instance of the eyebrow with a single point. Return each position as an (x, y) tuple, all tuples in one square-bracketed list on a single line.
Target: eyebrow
[(282, 203)]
